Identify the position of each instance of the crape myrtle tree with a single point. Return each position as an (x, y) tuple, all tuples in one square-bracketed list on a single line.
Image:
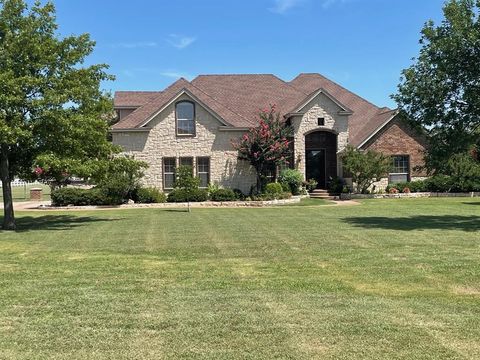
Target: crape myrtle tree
[(440, 92), (51, 106), (266, 145)]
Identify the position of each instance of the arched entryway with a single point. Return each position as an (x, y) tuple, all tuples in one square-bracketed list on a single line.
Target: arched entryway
[(321, 157)]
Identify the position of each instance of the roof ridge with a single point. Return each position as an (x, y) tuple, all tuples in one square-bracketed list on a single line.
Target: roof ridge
[(137, 91), (237, 74), (291, 86), (337, 84)]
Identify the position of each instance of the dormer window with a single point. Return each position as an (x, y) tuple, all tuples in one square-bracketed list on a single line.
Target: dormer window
[(185, 118)]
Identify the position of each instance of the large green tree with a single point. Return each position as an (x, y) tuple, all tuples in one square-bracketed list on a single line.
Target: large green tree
[(441, 90), (51, 105)]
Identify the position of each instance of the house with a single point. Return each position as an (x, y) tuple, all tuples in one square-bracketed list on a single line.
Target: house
[(194, 123)]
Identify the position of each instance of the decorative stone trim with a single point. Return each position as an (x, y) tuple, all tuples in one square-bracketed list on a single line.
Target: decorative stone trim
[(407, 195)]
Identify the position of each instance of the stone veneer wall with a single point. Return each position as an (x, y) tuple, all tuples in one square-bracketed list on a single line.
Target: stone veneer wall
[(320, 106), (161, 141)]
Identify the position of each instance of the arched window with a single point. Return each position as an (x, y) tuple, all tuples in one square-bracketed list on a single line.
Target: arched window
[(185, 117)]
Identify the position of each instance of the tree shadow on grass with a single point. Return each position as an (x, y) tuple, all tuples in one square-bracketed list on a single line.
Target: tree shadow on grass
[(472, 203), (420, 222), (55, 222)]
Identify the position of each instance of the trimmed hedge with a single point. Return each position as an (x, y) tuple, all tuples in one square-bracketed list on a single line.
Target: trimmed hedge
[(78, 197), (223, 195), (273, 188), (182, 195), (437, 183), (149, 195)]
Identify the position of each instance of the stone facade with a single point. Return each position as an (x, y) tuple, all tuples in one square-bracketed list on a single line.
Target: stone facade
[(319, 107), (226, 170), (214, 140), (162, 142)]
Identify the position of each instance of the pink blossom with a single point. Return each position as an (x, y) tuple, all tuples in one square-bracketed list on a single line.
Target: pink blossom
[(38, 171)]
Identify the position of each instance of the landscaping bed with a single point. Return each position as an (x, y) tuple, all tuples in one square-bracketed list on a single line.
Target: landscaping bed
[(203, 204)]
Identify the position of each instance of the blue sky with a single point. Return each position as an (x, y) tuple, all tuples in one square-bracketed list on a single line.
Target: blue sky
[(361, 44)]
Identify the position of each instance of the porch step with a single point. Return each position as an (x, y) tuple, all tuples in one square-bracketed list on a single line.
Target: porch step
[(322, 194)]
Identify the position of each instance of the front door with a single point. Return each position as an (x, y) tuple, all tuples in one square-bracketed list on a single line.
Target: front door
[(316, 167)]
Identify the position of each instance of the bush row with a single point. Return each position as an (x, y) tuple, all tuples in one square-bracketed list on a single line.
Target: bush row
[(97, 196), (437, 183), (100, 196)]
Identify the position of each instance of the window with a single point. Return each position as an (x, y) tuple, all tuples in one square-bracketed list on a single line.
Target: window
[(203, 171), (185, 116), (400, 169), (186, 161), (321, 121), (169, 165)]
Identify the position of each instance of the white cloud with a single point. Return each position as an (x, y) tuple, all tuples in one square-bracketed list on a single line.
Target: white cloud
[(180, 41), (134, 45), (282, 6)]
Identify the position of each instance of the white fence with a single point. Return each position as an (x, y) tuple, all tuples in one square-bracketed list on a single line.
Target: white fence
[(18, 183)]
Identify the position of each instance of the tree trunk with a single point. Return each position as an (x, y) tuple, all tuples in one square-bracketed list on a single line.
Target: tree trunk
[(9, 216)]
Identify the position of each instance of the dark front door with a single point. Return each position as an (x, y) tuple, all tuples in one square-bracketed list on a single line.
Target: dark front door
[(316, 167)]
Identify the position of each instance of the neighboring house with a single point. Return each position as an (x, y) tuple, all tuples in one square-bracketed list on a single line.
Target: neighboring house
[(194, 123)]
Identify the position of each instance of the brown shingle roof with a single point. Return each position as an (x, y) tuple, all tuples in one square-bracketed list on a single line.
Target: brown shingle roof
[(237, 100), (134, 98), (147, 111), (247, 94)]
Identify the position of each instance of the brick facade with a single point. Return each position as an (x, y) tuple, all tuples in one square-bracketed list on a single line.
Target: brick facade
[(398, 138)]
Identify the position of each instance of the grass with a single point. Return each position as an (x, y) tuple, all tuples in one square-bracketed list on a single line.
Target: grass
[(389, 279), (22, 193), (311, 202)]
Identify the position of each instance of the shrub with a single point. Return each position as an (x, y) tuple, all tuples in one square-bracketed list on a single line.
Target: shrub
[(149, 195), (239, 195), (335, 185), (292, 178), (182, 195), (78, 197), (311, 185), (118, 178), (273, 188), (438, 183), (406, 190), (365, 167), (464, 171), (417, 186), (393, 190), (184, 178), (223, 195)]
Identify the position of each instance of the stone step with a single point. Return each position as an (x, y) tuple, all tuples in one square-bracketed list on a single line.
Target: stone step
[(319, 191), (324, 197)]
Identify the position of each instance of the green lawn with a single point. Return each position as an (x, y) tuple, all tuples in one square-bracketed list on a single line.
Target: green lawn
[(389, 279), (22, 193)]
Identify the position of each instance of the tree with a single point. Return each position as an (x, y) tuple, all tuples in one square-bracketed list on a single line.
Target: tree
[(365, 167), (267, 145), (50, 104), (441, 90)]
